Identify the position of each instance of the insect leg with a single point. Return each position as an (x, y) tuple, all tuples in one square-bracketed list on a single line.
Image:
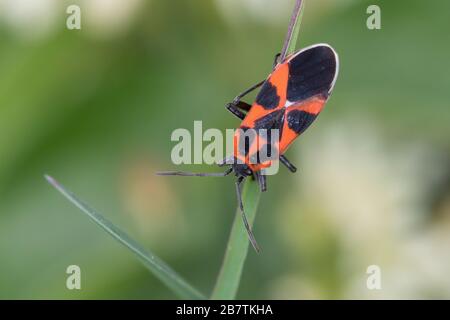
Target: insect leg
[(246, 92), (228, 160), (261, 181), (288, 164), (275, 60), (237, 106), (244, 218), (194, 174)]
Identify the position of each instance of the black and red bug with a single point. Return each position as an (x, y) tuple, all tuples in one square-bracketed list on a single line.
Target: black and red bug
[(290, 99)]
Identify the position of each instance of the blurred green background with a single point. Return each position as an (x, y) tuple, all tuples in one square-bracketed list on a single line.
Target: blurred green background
[(95, 108)]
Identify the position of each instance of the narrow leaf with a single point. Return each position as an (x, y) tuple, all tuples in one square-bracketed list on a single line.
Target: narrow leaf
[(230, 274), (290, 41), (159, 268), (229, 277)]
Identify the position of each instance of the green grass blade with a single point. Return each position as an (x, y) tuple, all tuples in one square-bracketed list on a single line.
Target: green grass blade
[(290, 41), (230, 274), (159, 268), (229, 277)]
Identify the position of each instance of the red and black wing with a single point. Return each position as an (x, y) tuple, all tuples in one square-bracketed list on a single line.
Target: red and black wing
[(271, 97), (267, 112), (291, 97), (312, 75)]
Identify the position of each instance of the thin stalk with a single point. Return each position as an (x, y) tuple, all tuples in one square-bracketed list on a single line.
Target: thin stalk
[(292, 34), (229, 277), (158, 267), (230, 273)]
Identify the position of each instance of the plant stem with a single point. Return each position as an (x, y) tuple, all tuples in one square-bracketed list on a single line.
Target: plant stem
[(290, 40), (158, 267), (230, 274), (229, 277)]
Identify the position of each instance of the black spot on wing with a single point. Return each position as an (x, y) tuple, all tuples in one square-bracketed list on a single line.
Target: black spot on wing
[(245, 141), (299, 121), (311, 73), (268, 97), (264, 154), (270, 122), (273, 120)]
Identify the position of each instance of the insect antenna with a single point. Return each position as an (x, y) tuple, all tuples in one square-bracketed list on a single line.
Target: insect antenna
[(194, 174), (244, 217)]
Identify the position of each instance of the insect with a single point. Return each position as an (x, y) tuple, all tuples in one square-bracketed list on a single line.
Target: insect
[(289, 100)]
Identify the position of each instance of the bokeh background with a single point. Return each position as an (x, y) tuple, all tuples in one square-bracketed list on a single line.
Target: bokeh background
[(96, 107)]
